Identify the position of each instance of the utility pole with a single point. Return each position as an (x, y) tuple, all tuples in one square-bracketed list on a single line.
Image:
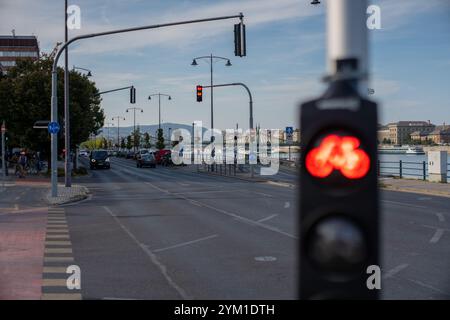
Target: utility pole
[(134, 125), (67, 158), (4, 166), (118, 129), (159, 104)]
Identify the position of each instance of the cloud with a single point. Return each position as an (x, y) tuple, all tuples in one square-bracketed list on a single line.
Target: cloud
[(45, 19)]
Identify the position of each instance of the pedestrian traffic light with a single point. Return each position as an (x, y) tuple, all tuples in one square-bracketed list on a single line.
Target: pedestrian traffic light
[(199, 93), (132, 95), (240, 47), (338, 195)]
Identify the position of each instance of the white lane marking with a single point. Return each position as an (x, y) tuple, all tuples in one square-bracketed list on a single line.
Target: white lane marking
[(423, 198), (230, 214), (422, 284), (268, 218), (404, 204), (162, 268), (437, 235), (183, 184), (17, 198), (281, 184), (395, 270), (287, 205), (263, 194), (185, 243), (440, 216), (265, 259), (16, 207)]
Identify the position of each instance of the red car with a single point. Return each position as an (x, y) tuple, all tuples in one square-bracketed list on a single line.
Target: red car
[(160, 154)]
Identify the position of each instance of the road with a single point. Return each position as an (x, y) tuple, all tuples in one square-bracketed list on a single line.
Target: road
[(170, 233)]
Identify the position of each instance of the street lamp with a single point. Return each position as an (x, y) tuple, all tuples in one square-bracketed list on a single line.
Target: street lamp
[(89, 73), (108, 126), (134, 124), (211, 59), (118, 118), (159, 103)]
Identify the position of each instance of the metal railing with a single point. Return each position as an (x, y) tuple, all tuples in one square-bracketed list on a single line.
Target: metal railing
[(403, 169)]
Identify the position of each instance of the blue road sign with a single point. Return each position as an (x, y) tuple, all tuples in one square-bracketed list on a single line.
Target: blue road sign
[(289, 130), (53, 127)]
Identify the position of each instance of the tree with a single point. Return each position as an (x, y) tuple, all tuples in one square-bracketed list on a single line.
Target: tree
[(25, 98), (129, 142), (136, 135), (122, 143), (160, 143), (147, 144)]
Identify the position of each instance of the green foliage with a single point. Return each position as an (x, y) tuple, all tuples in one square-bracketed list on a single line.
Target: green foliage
[(160, 143), (122, 143), (93, 144), (129, 144), (136, 136), (147, 143), (25, 94)]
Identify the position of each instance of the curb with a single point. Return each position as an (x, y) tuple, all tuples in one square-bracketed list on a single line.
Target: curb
[(417, 191), (78, 197)]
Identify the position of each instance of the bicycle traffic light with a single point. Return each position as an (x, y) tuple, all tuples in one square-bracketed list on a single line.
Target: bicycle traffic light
[(338, 195), (199, 93)]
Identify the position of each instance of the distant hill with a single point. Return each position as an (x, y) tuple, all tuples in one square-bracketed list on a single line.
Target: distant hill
[(151, 129)]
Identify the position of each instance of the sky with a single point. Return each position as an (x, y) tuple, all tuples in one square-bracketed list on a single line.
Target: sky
[(285, 62)]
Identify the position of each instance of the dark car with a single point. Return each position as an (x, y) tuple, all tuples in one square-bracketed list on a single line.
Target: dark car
[(146, 160), (99, 159), (129, 155)]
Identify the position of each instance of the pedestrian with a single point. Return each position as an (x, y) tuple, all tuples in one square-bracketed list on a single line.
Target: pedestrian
[(22, 162)]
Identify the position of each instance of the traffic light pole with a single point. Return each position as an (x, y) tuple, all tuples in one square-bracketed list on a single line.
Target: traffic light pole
[(4, 166), (338, 191), (114, 90), (250, 105), (67, 156), (118, 129), (54, 98)]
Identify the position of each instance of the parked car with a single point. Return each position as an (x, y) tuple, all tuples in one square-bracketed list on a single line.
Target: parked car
[(141, 153), (99, 159), (160, 154), (84, 153), (129, 155), (146, 160)]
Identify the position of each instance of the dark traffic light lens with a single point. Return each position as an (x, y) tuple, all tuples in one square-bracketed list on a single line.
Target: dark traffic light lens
[(337, 244)]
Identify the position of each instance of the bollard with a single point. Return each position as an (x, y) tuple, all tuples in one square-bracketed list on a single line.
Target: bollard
[(400, 169), (424, 170)]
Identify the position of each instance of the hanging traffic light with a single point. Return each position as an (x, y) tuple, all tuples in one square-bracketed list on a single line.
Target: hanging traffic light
[(240, 46), (132, 95), (338, 193), (199, 93)]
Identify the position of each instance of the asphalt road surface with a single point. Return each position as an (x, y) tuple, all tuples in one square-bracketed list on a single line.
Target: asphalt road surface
[(169, 233)]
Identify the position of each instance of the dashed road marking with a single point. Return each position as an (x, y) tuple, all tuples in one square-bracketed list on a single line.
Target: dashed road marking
[(268, 218), (185, 243), (437, 235), (394, 271), (440, 216), (162, 268)]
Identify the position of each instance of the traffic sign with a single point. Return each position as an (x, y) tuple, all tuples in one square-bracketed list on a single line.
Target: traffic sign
[(289, 134), (53, 127)]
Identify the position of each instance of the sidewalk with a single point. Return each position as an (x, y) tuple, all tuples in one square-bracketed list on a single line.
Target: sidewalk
[(67, 195), (416, 186)]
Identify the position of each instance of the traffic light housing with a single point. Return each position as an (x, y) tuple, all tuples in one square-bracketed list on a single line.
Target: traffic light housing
[(338, 195), (199, 93), (132, 95), (240, 46)]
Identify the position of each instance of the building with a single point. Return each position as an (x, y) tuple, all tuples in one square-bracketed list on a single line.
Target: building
[(400, 132), (15, 47), (383, 134), (418, 136), (440, 135)]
